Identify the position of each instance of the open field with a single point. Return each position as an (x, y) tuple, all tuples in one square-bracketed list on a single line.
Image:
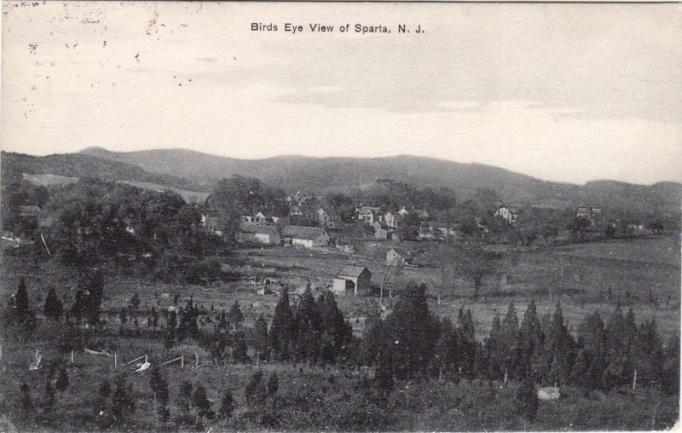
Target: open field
[(582, 284), (660, 250)]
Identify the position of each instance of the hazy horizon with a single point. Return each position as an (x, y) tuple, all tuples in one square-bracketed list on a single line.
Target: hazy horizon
[(291, 155), (559, 92)]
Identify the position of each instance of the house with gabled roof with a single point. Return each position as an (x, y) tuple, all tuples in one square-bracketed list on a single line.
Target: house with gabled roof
[(258, 233), (328, 217), (307, 237)]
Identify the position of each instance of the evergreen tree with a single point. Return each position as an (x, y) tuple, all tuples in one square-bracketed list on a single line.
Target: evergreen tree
[(445, 352), (508, 337), (255, 391), (261, 338), (201, 403), (235, 315), (527, 400), (103, 394), (93, 302), (615, 333), (227, 405), (336, 335), (273, 384), (591, 331), (560, 348), (494, 349), (53, 308), (26, 404), (185, 397), (21, 307), (412, 332), (280, 329), (121, 401), (134, 303), (373, 340), (580, 373), (596, 372), (467, 346), (62, 380), (162, 397), (239, 349), (48, 397), (530, 333)]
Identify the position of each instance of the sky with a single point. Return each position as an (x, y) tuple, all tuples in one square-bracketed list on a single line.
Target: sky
[(562, 92)]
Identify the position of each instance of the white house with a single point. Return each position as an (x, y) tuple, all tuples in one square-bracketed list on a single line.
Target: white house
[(307, 237), (368, 214), (257, 233), (506, 213)]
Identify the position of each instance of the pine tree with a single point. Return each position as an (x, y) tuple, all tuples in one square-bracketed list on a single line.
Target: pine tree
[(62, 380), (134, 303), (162, 397), (185, 397), (445, 352), (94, 299), (412, 333), (53, 308), (280, 329), (201, 403), (273, 384), (373, 340), (227, 405), (236, 317), (591, 331), (509, 334), (530, 333), (48, 397), (580, 372), (493, 348), (255, 391), (21, 307), (261, 338), (466, 343), (26, 404), (527, 400), (239, 349), (103, 393), (121, 400)]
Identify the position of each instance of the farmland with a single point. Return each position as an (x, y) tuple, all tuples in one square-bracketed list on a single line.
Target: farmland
[(133, 308)]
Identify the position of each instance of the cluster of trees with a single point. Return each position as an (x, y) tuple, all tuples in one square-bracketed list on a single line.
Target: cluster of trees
[(412, 343), (95, 220), (311, 331), (240, 195)]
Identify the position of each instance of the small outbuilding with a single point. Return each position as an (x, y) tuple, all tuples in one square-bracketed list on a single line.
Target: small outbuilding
[(396, 256), (352, 279)]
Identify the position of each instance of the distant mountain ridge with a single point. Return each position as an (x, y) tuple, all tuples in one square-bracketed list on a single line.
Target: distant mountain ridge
[(182, 168), (320, 175)]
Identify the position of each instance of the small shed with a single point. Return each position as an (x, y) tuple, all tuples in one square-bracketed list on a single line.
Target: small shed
[(352, 279), (396, 256)]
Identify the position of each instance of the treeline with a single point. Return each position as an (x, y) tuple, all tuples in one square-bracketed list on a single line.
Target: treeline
[(602, 355), (409, 344)]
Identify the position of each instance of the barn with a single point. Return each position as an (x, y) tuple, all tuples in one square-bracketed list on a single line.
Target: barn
[(352, 278), (306, 237)]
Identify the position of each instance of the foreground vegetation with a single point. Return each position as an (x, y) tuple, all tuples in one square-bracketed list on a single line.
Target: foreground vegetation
[(305, 369)]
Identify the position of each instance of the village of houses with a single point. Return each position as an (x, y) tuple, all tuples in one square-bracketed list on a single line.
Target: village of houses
[(363, 256)]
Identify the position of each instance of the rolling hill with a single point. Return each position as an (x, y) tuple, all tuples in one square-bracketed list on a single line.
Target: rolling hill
[(198, 172), (77, 165), (320, 175)]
